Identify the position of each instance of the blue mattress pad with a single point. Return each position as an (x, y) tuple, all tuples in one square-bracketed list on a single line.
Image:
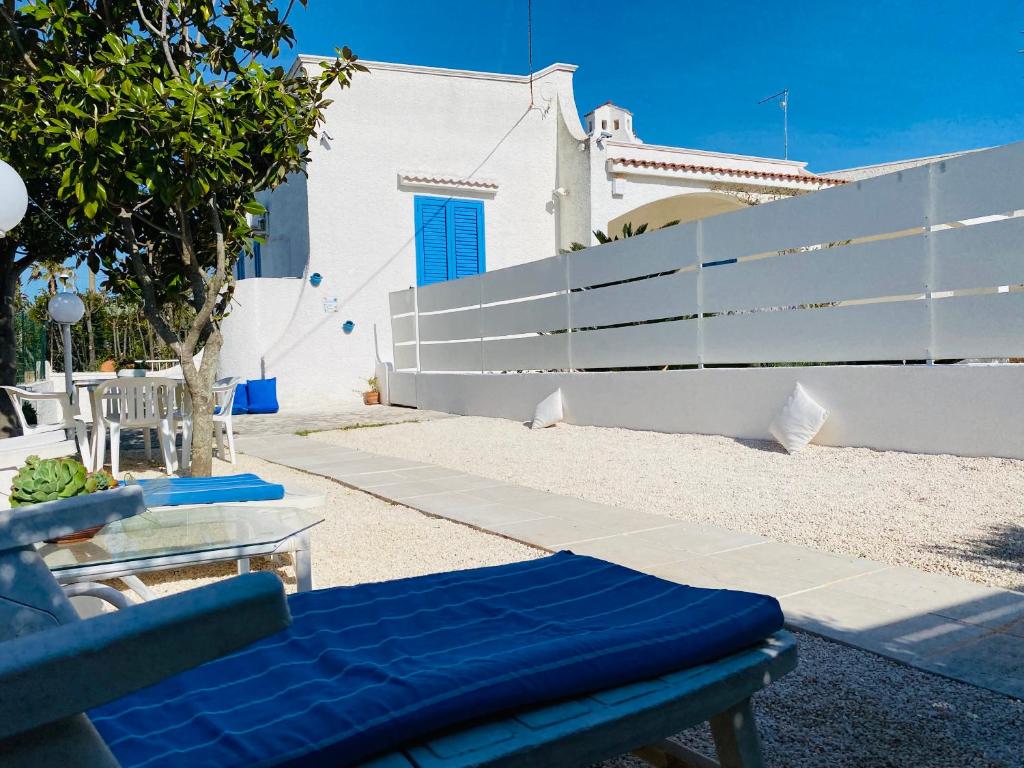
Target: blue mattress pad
[(365, 669), (176, 491)]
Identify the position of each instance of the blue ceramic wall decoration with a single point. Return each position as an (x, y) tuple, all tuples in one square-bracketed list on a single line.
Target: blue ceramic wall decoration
[(315, 279), (348, 326)]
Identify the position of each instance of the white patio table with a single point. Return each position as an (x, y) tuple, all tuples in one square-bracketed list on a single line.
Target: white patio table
[(173, 537)]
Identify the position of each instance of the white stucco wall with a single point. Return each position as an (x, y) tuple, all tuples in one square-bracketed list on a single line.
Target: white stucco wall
[(573, 176), (958, 409), (267, 330), (353, 221)]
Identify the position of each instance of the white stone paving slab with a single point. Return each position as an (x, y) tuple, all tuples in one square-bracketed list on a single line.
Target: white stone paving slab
[(700, 538)]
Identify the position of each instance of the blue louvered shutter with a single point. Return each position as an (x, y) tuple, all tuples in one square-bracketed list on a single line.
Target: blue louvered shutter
[(467, 238), (431, 240), (449, 239)]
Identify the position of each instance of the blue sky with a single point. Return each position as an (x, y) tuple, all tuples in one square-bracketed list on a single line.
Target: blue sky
[(870, 81)]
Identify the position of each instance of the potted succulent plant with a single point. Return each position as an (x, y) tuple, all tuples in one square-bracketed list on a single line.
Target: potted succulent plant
[(52, 479), (372, 396)]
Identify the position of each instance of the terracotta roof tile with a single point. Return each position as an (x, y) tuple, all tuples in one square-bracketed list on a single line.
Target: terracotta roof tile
[(799, 177), (416, 178)]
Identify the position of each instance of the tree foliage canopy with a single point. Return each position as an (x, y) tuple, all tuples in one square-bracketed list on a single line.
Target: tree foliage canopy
[(161, 119), (158, 118)]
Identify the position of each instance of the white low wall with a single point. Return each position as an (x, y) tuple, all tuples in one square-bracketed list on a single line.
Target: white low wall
[(968, 410)]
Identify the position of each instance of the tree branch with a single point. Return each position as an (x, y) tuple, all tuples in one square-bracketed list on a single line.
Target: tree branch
[(219, 233), (146, 22), (204, 314), (164, 41), (154, 225), (20, 265), (5, 11), (150, 305), (188, 257)]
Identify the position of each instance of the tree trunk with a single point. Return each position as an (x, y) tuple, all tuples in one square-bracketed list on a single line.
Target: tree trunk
[(8, 345), (200, 387)]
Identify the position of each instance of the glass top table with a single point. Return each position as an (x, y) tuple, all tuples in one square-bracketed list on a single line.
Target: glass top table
[(159, 539)]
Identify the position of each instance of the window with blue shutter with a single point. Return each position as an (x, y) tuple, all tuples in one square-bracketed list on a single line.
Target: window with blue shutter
[(449, 239)]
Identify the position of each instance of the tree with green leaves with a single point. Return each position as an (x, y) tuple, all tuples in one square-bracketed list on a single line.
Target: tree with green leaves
[(50, 271), (161, 120), (40, 239)]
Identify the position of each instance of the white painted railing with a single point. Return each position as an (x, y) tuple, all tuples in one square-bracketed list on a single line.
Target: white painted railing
[(918, 265)]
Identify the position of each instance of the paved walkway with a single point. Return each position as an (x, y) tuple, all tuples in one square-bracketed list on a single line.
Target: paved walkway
[(945, 625), (352, 417)]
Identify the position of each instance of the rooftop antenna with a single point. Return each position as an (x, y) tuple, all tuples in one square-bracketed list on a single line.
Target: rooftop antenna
[(783, 97)]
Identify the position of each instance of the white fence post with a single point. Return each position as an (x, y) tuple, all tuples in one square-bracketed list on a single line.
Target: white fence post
[(700, 295), (416, 323), (480, 310), (929, 245), (568, 313)]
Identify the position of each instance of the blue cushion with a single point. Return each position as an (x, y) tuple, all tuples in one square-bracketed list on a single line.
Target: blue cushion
[(241, 401), (262, 395), (171, 491), (364, 669)]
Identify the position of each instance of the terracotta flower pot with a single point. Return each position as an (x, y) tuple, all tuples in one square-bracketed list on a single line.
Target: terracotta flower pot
[(371, 398), (77, 536), (108, 366)]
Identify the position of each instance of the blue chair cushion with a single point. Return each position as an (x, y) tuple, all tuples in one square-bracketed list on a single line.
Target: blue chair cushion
[(175, 491), (262, 395), (241, 401), (364, 669)]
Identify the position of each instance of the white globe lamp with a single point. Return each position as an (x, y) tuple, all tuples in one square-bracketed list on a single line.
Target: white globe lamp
[(66, 309), (13, 198)]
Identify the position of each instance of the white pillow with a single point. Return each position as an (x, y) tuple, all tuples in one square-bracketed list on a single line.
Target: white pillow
[(798, 421), (549, 411)]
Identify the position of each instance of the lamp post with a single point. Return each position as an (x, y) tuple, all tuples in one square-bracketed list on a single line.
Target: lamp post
[(13, 198), (66, 309)]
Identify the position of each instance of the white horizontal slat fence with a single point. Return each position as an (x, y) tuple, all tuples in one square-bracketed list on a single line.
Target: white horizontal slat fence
[(923, 264)]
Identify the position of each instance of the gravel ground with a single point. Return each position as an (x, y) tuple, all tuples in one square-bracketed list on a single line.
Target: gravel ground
[(845, 708), (841, 707), (362, 539), (948, 514)]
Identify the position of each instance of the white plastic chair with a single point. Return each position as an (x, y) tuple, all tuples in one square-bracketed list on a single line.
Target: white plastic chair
[(71, 424), (133, 403), (22, 397), (224, 399)]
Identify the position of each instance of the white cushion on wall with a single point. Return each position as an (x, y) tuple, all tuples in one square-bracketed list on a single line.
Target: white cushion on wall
[(798, 421), (549, 411)]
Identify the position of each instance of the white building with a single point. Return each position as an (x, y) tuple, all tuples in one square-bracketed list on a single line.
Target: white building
[(424, 174)]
